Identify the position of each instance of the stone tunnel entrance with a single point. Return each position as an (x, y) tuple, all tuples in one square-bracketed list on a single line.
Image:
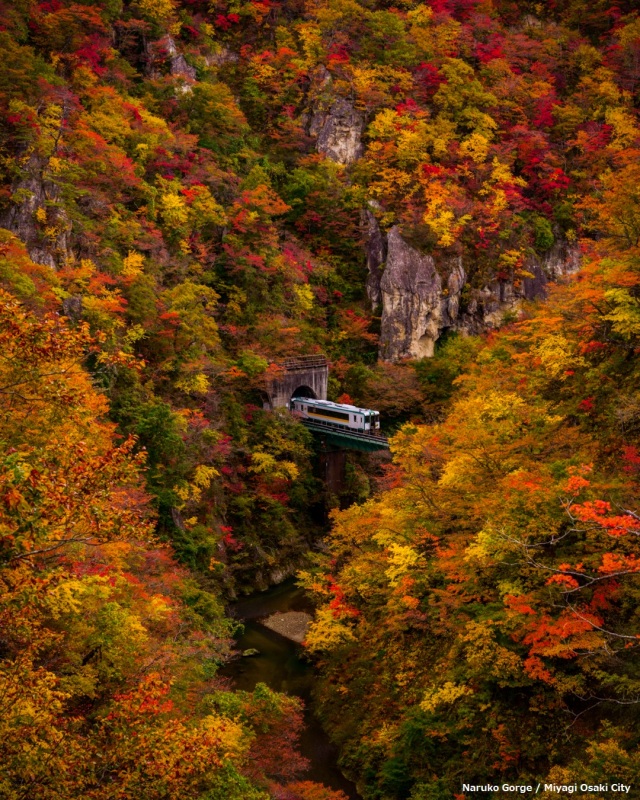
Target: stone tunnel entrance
[(304, 391), (303, 376)]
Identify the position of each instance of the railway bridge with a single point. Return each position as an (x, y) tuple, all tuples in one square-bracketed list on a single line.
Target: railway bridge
[(308, 376), (351, 440)]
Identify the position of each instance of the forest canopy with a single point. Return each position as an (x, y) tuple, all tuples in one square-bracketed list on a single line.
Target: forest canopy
[(441, 198)]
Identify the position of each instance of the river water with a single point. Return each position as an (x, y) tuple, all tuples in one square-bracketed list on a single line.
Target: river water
[(283, 668)]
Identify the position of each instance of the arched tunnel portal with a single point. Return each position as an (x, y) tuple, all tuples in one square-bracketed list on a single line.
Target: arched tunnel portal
[(304, 391), (304, 376)]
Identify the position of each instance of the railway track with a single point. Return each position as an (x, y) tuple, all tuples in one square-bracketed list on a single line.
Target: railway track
[(368, 440)]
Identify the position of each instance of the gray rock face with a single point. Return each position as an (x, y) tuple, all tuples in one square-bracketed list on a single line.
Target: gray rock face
[(177, 62), (165, 52), (221, 57), (420, 300), (376, 253), (563, 259), (72, 308), (338, 131), (455, 283), (36, 192), (411, 290)]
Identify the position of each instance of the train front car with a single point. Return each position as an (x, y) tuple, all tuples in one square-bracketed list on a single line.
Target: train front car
[(336, 415)]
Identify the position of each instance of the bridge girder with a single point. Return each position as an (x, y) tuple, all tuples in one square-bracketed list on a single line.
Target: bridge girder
[(349, 440)]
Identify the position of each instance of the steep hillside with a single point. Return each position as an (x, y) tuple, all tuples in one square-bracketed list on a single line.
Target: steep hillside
[(479, 617), (193, 191), (216, 187)]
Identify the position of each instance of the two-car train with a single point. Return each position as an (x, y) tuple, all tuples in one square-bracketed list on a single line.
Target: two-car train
[(337, 415)]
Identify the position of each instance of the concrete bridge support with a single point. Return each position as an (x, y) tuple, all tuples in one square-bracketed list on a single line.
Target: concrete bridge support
[(305, 376), (333, 466)]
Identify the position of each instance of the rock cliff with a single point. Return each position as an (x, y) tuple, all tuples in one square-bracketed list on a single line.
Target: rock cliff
[(36, 217), (376, 254), (177, 62), (421, 299), (411, 291), (338, 131), (163, 54)]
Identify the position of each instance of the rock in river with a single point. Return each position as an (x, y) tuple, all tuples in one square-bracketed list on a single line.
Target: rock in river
[(292, 624)]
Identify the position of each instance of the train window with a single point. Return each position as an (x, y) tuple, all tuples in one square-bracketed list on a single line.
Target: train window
[(330, 413)]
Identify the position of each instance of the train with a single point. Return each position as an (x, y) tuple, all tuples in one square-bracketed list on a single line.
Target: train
[(337, 415)]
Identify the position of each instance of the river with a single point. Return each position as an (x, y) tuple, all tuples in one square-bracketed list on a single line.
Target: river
[(281, 666)]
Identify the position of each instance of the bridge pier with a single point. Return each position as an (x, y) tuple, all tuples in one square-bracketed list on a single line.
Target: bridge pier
[(333, 464)]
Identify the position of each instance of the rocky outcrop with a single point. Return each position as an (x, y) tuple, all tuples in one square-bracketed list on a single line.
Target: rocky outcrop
[(45, 237), (411, 291), (338, 131), (562, 259), (486, 307), (422, 299), (376, 254), (164, 53), (72, 307), (177, 63), (221, 57)]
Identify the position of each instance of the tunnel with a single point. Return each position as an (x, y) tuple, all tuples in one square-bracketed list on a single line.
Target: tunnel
[(304, 391), (303, 376)]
